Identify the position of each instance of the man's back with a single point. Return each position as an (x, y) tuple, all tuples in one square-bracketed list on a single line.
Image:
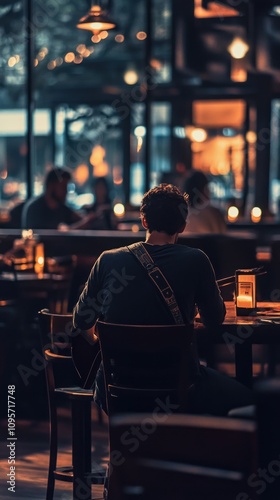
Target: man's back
[(120, 291)]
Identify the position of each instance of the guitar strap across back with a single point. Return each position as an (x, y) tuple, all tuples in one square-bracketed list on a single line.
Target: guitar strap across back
[(158, 278)]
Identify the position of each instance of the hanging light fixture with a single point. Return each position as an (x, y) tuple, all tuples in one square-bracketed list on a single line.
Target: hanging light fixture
[(96, 20)]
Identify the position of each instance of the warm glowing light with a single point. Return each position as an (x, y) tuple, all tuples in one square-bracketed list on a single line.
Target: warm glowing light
[(78, 59), (130, 77), (104, 34), (118, 182), (156, 64), (238, 73), (251, 137), (41, 55), (139, 144), (36, 62), (81, 48), (135, 228), (86, 53), (119, 38), (12, 61), (97, 160), (198, 135), (69, 57), (119, 210), (141, 35), (81, 174), (96, 21), (39, 259), (95, 38), (4, 174), (51, 65), (117, 175), (232, 213), (140, 131), (238, 48), (256, 214)]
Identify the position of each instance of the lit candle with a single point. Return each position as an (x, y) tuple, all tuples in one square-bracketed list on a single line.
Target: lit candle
[(39, 259), (245, 301)]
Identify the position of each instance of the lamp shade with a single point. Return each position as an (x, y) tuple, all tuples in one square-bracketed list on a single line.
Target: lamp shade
[(96, 20)]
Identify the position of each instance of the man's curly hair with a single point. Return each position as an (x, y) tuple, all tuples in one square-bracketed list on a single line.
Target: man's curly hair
[(165, 209)]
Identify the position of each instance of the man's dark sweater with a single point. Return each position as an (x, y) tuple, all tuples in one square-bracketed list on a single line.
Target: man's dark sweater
[(120, 291)]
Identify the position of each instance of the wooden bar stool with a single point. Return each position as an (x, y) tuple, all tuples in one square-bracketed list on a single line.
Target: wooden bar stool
[(63, 383)]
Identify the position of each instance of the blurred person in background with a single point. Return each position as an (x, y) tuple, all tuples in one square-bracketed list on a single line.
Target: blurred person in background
[(100, 214), (203, 216), (101, 210), (49, 210)]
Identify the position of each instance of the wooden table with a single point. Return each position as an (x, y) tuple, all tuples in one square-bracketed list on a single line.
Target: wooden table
[(239, 333), (25, 286)]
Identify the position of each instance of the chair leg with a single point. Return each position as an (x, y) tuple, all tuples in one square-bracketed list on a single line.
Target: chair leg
[(81, 449), (53, 453), (100, 415)]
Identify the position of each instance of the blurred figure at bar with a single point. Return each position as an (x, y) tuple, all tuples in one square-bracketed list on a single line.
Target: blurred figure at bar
[(49, 210), (100, 213), (203, 216)]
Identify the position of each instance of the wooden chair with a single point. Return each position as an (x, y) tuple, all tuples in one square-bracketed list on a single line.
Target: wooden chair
[(63, 381), (183, 457), (146, 369)]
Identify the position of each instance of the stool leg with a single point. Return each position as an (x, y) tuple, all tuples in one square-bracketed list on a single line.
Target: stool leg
[(81, 449), (52, 462), (53, 444)]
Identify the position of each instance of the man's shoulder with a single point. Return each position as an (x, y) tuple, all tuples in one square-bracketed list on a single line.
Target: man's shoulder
[(37, 202), (114, 252)]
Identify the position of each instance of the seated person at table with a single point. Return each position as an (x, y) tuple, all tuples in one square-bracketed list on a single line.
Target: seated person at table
[(203, 216), (99, 215), (164, 211), (49, 210)]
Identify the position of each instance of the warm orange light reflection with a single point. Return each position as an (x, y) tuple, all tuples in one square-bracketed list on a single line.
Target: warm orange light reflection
[(119, 210), (256, 214), (119, 38), (233, 213), (141, 35), (100, 167), (238, 48), (69, 57), (198, 135), (81, 174)]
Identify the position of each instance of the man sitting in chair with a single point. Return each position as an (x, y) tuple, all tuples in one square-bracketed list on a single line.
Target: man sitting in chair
[(119, 290)]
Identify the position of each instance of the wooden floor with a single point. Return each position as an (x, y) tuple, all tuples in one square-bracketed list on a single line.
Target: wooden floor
[(32, 454)]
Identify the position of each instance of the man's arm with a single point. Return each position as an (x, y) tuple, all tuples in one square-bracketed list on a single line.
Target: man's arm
[(209, 300), (87, 309)]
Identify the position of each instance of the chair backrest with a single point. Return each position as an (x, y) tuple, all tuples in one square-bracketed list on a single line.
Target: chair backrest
[(182, 457), (57, 335), (55, 331), (144, 363)]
